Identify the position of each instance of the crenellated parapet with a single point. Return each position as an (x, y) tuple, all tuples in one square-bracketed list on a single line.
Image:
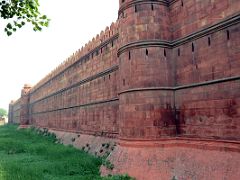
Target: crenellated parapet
[(88, 50)]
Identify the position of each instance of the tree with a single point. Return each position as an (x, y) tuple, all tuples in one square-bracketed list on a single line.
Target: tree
[(3, 112), (21, 12)]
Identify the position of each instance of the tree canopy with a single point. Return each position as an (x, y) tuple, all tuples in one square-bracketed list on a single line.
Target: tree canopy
[(3, 112), (21, 12)]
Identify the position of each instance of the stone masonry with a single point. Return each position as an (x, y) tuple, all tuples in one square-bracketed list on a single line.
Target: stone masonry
[(167, 72)]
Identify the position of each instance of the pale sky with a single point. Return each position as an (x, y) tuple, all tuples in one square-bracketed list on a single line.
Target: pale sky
[(27, 56)]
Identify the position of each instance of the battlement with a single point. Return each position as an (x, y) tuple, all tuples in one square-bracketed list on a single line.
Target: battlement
[(86, 51), (13, 102)]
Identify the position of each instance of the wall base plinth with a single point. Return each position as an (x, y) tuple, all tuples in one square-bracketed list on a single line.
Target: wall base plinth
[(177, 158)]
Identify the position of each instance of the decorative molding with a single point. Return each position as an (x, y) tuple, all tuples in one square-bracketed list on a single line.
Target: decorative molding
[(81, 59), (206, 83), (183, 86), (79, 106), (101, 74), (171, 2), (193, 142), (135, 2), (230, 21)]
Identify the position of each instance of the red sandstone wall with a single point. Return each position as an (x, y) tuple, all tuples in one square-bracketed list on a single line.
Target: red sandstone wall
[(164, 160), (145, 113), (214, 57), (144, 20), (212, 110), (96, 57), (145, 64), (15, 113), (167, 72), (143, 70), (81, 94), (188, 16), (145, 78)]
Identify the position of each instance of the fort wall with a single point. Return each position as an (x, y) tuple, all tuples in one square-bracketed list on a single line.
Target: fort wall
[(164, 69), (166, 72), (14, 112), (208, 91), (190, 16), (162, 66), (82, 91)]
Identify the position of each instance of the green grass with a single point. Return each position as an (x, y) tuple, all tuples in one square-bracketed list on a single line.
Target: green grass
[(26, 155)]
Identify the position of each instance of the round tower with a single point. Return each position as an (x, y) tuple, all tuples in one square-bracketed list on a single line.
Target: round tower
[(146, 70), (24, 109), (10, 112)]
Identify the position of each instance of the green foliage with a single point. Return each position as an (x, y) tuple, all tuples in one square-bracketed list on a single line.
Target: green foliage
[(118, 177), (33, 155), (107, 163), (21, 12), (3, 112)]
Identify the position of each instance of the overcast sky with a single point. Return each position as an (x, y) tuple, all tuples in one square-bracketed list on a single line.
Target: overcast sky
[(27, 56)]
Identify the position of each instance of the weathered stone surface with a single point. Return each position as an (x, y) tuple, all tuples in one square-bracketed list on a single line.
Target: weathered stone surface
[(165, 69)]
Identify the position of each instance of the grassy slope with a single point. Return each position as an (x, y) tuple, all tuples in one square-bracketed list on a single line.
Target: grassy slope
[(25, 155)]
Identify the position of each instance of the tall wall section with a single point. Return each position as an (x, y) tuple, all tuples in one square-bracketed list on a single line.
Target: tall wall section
[(206, 42), (146, 111), (173, 44), (179, 66), (165, 69), (81, 94), (164, 79), (14, 112), (179, 69)]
